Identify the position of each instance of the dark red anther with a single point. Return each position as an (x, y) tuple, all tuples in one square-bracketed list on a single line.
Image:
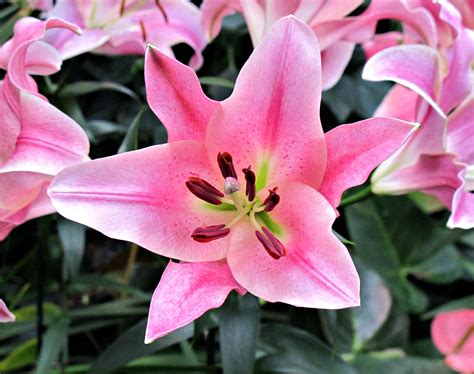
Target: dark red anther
[(204, 190), (250, 185), (209, 233), (226, 165), (272, 200), (271, 244)]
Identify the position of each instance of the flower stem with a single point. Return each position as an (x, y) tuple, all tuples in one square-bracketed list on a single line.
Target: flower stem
[(127, 275), (357, 196)]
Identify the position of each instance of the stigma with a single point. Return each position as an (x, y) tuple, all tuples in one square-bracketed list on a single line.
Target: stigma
[(245, 203)]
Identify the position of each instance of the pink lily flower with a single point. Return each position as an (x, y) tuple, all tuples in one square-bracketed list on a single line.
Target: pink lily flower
[(37, 139), (5, 314), (42, 5), (438, 159), (261, 15), (246, 191), (453, 335), (117, 27)]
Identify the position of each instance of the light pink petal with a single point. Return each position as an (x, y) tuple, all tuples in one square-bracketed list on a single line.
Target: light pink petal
[(462, 215), (317, 271), (141, 197), (5, 314), (460, 137), (458, 82), (213, 12), (49, 139), (447, 331), (70, 45), (427, 173), (8, 120), (42, 59), (254, 14), (355, 150), (382, 41), (176, 97), (328, 10), (185, 292), (42, 5), (271, 121), (27, 31), (334, 60), (5, 229), (400, 102), (414, 66), (18, 189), (361, 28)]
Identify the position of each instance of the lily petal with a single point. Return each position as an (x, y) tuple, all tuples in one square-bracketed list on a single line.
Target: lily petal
[(185, 292), (334, 60), (462, 208), (176, 97), (317, 271), (355, 150), (8, 119), (460, 137), (400, 102), (414, 66), (271, 120), (141, 197), (213, 13), (49, 139), (447, 331), (5, 314)]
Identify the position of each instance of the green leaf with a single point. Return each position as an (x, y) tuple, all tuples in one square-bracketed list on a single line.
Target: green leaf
[(117, 308), (464, 303), (376, 324), (73, 240), (130, 346), (130, 141), (239, 326), (291, 350), (385, 363), (393, 237), (6, 31), (216, 81), (23, 355), (444, 267), (88, 87), (54, 342)]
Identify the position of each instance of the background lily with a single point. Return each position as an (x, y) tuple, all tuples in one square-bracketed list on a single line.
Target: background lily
[(453, 334), (117, 27), (246, 191), (37, 139), (5, 314), (438, 159), (261, 15)]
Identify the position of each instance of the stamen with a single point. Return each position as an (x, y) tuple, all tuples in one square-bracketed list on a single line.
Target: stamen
[(250, 183), (204, 190), (226, 165), (122, 7), (209, 233), (162, 10), (272, 200), (231, 185), (144, 34), (271, 244)]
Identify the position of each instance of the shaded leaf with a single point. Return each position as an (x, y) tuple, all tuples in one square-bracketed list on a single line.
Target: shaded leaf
[(73, 240), (130, 346), (239, 326), (130, 141), (23, 355), (54, 342)]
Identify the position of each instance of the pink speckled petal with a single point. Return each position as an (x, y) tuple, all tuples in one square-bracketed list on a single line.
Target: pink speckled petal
[(141, 197), (317, 271), (355, 150), (271, 121), (176, 97), (185, 292)]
